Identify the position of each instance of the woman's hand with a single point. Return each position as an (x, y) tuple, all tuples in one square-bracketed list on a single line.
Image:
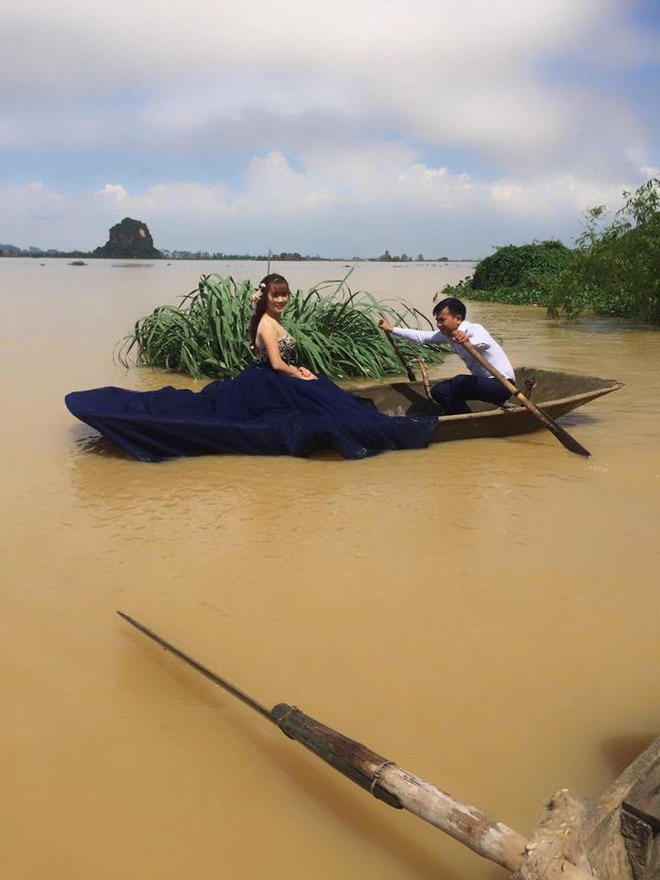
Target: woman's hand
[(385, 325), (306, 374)]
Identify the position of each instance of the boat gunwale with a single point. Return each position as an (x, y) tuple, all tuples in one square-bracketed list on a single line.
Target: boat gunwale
[(578, 399)]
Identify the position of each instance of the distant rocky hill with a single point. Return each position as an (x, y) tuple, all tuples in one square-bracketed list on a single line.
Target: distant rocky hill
[(130, 238)]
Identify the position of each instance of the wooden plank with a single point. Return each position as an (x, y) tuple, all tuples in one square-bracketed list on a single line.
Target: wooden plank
[(644, 798), (622, 832), (640, 823)]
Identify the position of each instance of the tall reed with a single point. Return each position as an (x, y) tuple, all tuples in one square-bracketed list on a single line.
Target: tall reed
[(335, 330)]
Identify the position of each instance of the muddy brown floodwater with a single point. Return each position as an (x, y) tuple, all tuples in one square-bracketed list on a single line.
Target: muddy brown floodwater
[(483, 613)]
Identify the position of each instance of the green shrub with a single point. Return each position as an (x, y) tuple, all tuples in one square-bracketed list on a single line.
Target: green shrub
[(518, 265), (613, 270), (514, 274)]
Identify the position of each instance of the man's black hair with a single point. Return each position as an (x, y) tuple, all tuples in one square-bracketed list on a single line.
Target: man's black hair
[(453, 305)]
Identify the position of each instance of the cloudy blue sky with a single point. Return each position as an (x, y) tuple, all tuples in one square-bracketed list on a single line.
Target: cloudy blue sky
[(340, 128)]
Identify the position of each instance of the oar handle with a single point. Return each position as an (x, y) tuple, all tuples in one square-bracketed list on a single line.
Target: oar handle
[(508, 384), (426, 382), (477, 355), (397, 351)]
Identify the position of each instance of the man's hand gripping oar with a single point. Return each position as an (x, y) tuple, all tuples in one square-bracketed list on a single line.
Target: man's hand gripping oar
[(386, 327)]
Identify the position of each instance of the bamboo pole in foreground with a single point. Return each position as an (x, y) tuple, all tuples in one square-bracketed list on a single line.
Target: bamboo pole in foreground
[(572, 842), (388, 782), (489, 838), (383, 778)]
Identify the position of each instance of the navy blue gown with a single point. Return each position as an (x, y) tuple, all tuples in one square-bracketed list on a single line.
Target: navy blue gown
[(260, 412)]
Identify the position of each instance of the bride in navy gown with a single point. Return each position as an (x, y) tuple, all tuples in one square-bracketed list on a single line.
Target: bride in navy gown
[(272, 408)]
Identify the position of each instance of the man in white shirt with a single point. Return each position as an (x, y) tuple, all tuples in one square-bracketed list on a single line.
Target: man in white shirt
[(454, 330)]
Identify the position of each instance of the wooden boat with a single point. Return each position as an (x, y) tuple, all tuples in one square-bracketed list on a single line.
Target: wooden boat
[(554, 392), (169, 422)]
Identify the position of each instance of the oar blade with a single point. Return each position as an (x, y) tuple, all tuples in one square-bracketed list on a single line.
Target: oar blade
[(567, 441)]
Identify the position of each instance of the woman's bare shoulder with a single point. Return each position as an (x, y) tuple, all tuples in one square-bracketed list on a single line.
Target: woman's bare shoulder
[(267, 327), (271, 329)]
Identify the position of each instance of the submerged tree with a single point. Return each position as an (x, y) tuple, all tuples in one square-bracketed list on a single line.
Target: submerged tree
[(520, 266), (615, 268)]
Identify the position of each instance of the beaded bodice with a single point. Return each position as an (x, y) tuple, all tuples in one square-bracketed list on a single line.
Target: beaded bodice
[(287, 348)]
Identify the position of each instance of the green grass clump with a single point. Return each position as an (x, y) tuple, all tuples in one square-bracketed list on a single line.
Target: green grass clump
[(335, 330)]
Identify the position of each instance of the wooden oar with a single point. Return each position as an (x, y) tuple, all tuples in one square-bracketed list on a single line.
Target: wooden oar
[(563, 436), (382, 778), (397, 351), (424, 373)]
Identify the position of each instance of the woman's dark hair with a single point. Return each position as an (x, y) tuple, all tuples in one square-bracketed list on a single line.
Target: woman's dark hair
[(453, 305), (263, 287)]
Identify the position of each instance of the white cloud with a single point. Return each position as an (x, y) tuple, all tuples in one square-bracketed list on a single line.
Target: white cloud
[(403, 205), (448, 73), (115, 191), (351, 119)]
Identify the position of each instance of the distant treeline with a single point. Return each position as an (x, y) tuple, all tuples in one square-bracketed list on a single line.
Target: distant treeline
[(613, 270), (131, 239), (8, 250)]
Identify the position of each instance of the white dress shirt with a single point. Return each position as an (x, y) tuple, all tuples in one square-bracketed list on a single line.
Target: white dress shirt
[(479, 337)]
